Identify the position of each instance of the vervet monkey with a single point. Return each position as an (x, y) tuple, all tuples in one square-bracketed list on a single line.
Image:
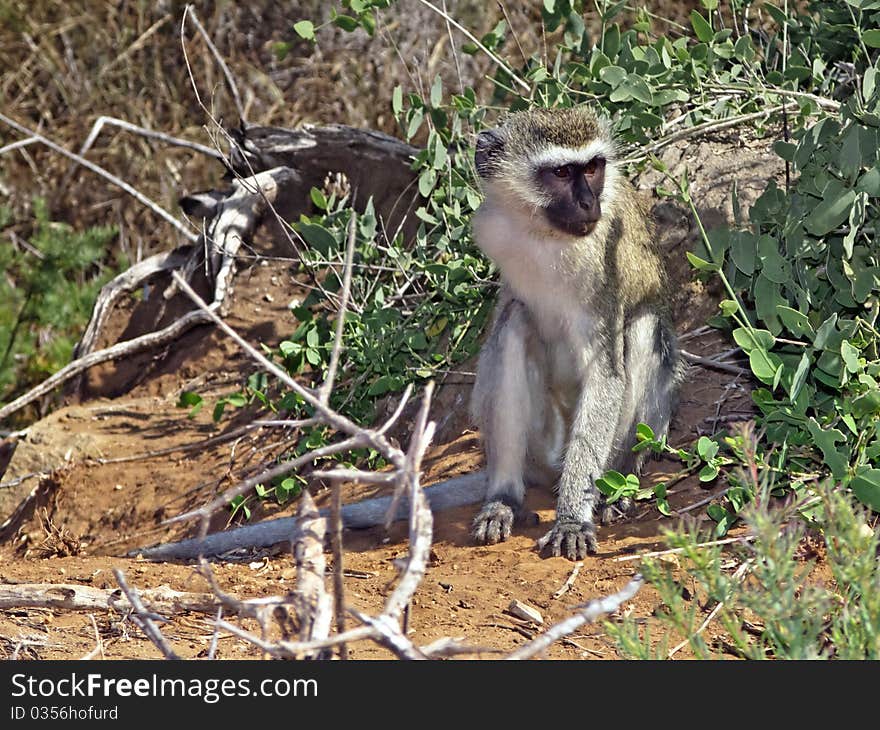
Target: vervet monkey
[(581, 350)]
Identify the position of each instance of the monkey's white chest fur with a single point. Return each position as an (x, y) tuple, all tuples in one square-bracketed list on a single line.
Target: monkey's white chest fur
[(534, 268)]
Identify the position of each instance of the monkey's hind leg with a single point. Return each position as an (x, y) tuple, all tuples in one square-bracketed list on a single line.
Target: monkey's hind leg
[(502, 407), (653, 367)]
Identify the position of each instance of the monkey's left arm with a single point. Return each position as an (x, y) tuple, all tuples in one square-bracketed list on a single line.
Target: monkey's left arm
[(587, 457)]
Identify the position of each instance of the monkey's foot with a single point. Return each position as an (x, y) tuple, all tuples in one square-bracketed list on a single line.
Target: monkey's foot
[(493, 523), (614, 511), (574, 540)]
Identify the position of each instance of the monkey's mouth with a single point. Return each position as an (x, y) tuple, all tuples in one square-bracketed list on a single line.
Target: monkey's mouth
[(579, 229)]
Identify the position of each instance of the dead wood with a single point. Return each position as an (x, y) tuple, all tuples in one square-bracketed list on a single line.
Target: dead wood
[(456, 492), (312, 604), (377, 166), (73, 597)]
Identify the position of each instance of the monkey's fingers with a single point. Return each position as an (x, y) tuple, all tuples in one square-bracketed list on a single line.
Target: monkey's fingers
[(574, 540), (493, 523)]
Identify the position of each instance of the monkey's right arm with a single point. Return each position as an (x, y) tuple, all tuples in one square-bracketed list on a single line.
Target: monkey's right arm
[(501, 405)]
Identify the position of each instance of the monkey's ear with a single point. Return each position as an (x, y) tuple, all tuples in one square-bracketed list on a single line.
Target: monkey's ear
[(490, 149)]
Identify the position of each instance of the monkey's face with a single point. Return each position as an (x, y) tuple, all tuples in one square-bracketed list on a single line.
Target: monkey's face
[(574, 189), (555, 167)]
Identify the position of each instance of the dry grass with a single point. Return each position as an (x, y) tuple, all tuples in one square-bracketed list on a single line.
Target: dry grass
[(67, 63), (63, 64)]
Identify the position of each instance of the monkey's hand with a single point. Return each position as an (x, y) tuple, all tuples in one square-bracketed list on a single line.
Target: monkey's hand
[(574, 540), (493, 523)]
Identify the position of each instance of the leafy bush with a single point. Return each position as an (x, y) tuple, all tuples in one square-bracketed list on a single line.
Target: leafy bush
[(48, 288), (793, 592)]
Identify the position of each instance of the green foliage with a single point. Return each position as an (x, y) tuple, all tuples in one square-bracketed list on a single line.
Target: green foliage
[(805, 269), (48, 286), (807, 273), (775, 604)]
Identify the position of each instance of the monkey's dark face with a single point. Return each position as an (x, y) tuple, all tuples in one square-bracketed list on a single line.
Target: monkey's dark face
[(574, 191)]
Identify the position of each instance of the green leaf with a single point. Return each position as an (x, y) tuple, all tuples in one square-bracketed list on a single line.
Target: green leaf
[(785, 150), (728, 307), (831, 212), (708, 473), (188, 399), (866, 487), (866, 404), (825, 331), (611, 482), (856, 221), (749, 339), (871, 38), (869, 183), (318, 198), (415, 122), (724, 519), (634, 87), (644, 432), (437, 91), (441, 157), (800, 376), (766, 366), (869, 82), (305, 29), (427, 180), (612, 75), (826, 441), (700, 264), (346, 22), (701, 27), (706, 448), (743, 251), (662, 502), (318, 237), (773, 266), (397, 100), (850, 356), (795, 321)]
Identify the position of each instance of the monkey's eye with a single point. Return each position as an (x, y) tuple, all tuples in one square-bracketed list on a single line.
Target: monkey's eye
[(563, 172), (591, 167)]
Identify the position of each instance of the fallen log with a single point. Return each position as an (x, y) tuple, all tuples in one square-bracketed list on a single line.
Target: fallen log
[(86, 598), (457, 492)]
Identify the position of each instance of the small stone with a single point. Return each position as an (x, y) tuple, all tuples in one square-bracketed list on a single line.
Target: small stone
[(525, 612)]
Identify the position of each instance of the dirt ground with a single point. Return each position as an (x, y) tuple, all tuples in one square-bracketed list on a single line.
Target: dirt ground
[(96, 479)]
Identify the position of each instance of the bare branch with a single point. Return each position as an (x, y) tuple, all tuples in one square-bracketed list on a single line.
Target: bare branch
[(327, 387), (476, 41), (312, 602), (142, 618), (421, 520), (338, 567), (144, 132), (710, 363), (120, 349), (188, 11), (590, 612), (18, 145), (674, 551), (73, 597), (457, 492), (137, 195), (341, 423)]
